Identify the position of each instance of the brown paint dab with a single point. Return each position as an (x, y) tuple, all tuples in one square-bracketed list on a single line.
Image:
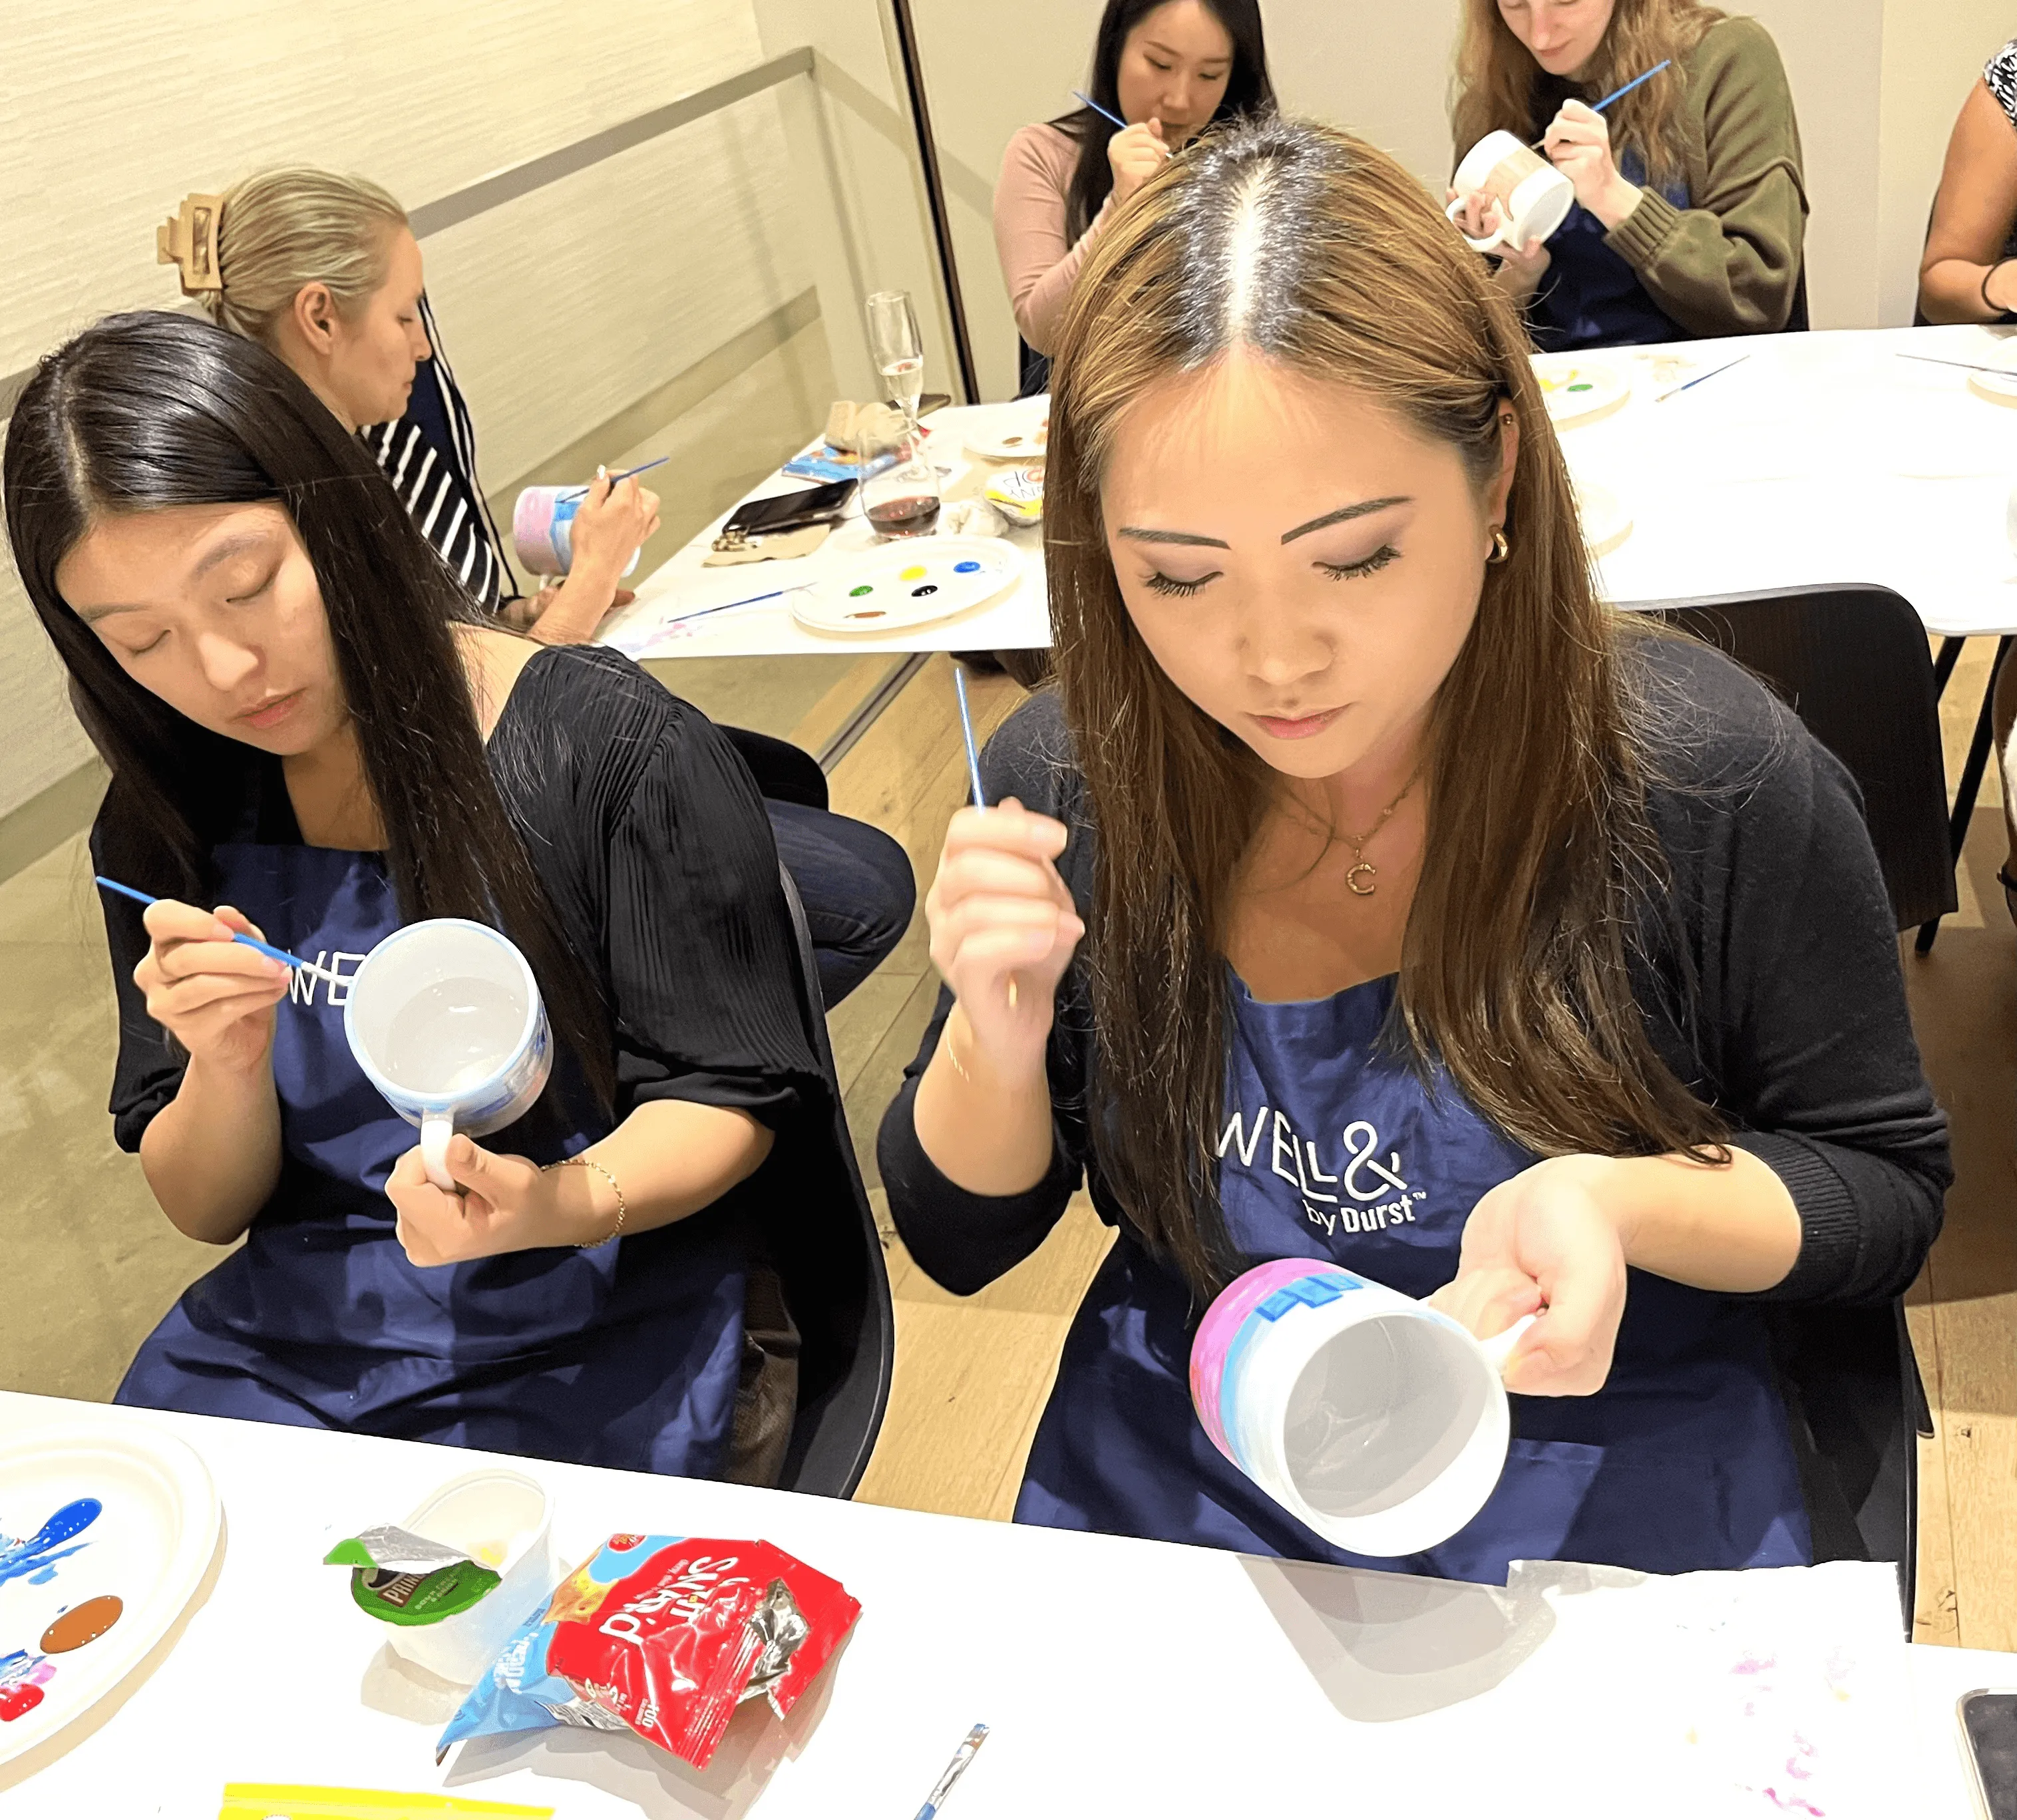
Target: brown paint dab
[(83, 1624)]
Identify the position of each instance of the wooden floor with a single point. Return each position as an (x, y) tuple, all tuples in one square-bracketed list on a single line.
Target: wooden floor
[(971, 1375)]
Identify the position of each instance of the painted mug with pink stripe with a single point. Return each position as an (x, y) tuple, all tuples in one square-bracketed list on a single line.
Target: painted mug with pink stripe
[(1375, 1420)]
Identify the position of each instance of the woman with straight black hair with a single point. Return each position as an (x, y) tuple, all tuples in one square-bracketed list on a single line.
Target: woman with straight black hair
[(310, 727), (1169, 68)]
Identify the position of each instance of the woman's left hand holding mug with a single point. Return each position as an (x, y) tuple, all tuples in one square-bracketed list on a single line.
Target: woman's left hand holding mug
[(506, 1203), (1578, 142), (1521, 268), (1546, 1241)]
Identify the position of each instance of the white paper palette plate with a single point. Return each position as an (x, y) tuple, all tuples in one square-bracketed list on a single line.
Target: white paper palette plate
[(105, 1535), (901, 586), (1578, 391), (1016, 435), (1997, 388), (1606, 522)]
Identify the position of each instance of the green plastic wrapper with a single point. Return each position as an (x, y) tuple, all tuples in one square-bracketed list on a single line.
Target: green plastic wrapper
[(400, 1578)]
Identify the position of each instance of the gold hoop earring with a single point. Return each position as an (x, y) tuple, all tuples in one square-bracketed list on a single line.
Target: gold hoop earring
[(1500, 548)]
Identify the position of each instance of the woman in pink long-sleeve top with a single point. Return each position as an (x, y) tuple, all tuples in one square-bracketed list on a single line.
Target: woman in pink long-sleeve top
[(1169, 68)]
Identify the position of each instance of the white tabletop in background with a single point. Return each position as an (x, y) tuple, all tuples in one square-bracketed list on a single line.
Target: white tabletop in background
[(1120, 1678), (1824, 458), (1014, 621)]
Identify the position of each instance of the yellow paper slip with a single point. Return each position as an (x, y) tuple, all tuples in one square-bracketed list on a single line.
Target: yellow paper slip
[(287, 1801)]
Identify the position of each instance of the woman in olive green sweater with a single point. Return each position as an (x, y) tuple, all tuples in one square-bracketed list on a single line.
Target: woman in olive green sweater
[(1691, 211)]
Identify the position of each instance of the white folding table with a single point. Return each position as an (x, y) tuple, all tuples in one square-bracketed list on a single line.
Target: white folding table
[(1120, 1677)]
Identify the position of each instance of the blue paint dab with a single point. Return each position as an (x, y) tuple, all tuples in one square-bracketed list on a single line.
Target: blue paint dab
[(18, 1559), (42, 1578), (967, 567)]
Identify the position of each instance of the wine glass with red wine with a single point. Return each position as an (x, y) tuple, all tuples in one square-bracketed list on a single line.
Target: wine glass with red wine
[(898, 349), (903, 500)]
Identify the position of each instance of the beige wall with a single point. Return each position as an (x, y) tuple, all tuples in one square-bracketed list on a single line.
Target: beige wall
[(1876, 82), (559, 310), (862, 215)]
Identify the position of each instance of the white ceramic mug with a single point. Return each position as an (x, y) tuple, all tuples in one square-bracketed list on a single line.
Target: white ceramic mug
[(542, 529), (1374, 1419), (445, 1019), (1534, 198)]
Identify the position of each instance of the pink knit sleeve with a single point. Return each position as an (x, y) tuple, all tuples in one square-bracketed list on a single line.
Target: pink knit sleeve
[(1038, 265)]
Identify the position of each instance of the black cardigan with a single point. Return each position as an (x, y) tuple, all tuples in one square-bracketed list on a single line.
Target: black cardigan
[(1771, 987)]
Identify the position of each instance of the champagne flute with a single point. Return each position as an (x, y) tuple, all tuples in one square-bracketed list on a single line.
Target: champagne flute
[(898, 349)]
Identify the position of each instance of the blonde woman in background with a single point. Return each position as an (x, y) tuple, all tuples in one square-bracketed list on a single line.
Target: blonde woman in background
[(324, 271), (1691, 216)]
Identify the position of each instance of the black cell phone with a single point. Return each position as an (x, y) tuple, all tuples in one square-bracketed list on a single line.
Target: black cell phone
[(791, 511), (1989, 1730)]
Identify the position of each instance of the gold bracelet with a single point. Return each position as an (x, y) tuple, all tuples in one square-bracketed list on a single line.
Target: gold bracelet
[(582, 1160)]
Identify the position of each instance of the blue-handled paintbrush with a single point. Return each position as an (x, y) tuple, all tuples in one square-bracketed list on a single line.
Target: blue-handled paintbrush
[(966, 726), (1104, 113), (1616, 95), (582, 492), (264, 947)]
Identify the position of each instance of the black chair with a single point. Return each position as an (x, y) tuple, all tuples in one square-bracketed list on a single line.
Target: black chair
[(785, 773), (1032, 371), (1852, 663), (1856, 1408), (829, 1254)]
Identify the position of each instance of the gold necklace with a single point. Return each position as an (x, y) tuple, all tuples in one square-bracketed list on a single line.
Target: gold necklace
[(1357, 843)]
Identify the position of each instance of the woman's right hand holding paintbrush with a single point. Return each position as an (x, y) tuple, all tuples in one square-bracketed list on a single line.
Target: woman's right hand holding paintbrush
[(213, 994), (213, 1154), (1004, 929), (1136, 154)]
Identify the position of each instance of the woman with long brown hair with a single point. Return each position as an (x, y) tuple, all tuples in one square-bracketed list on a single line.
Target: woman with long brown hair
[(1369, 891), (1690, 207)]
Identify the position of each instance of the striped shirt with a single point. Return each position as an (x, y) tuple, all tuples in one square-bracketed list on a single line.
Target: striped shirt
[(429, 455), (433, 492), (2001, 77)]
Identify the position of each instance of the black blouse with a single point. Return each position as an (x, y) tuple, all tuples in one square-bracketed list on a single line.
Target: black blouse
[(1770, 985), (646, 828)]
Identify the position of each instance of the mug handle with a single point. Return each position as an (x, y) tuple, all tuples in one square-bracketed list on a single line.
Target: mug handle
[(1499, 1348), (1492, 241), (436, 1128)]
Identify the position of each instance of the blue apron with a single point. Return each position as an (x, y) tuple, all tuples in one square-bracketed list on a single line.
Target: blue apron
[(1589, 297), (1333, 1149), (625, 1355)]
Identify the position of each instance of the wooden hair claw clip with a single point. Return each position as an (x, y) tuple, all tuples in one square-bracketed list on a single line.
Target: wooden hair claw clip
[(188, 239)]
